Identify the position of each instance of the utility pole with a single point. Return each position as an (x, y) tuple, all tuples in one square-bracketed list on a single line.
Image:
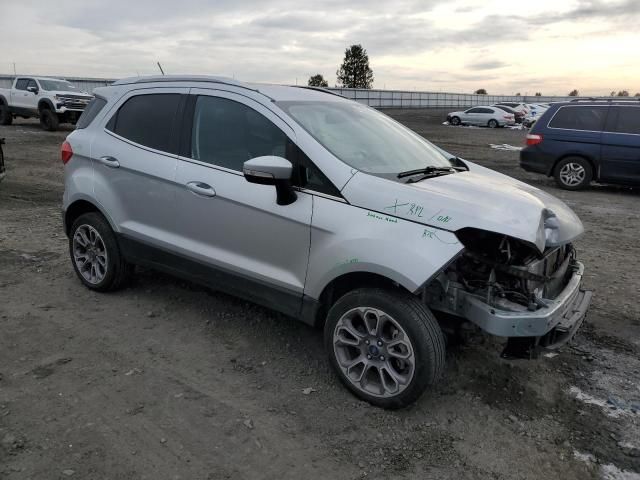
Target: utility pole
[(160, 67), (14, 68)]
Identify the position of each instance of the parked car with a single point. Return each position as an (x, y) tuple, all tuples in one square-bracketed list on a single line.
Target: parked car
[(52, 100), (325, 210), (587, 140), (518, 116), (491, 117), (518, 107), (2, 167)]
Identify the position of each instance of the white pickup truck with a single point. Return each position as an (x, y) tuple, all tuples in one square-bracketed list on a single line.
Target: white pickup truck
[(52, 100)]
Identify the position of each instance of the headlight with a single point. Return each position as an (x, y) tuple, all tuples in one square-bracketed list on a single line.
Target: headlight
[(551, 227)]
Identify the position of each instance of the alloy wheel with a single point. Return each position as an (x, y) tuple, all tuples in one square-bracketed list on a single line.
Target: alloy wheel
[(90, 254), (572, 174), (374, 352)]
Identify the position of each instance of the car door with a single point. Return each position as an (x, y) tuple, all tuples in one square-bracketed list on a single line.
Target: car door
[(19, 93), (31, 99), (576, 130), (620, 160), (134, 165), (472, 115), (231, 230)]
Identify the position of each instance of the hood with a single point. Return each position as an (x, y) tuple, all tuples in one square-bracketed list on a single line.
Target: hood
[(78, 95), (479, 198)]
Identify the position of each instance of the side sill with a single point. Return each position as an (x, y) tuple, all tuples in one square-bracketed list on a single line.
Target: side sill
[(284, 301)]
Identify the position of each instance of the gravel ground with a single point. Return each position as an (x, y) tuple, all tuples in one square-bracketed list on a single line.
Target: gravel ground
[(167, 380)]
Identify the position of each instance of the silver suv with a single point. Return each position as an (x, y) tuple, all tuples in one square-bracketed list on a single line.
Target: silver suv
[(325, 210)]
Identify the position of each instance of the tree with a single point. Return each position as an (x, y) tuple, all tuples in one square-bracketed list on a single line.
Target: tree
[(480, 91), (574, 93), (637, 94), (538, 94), (623, 93), (613, 93), (354, 71), (518, 94), (317, 80)]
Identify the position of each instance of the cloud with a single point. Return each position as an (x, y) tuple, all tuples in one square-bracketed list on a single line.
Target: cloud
[(487, 65), (411, 43)]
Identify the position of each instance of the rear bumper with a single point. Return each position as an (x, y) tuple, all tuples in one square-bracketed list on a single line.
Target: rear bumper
[(560, 319), (533, 160)]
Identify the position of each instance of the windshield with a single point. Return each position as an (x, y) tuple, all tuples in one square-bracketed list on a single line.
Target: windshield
[(364, 138), (53, 85)]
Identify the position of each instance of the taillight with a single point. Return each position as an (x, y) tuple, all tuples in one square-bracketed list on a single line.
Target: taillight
[(533, 139), (508, 117), (66, 152)]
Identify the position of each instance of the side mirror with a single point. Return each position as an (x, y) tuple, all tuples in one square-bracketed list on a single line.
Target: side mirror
[(271, 170), (33, 90)]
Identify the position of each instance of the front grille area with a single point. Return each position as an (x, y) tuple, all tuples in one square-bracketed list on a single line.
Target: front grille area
[(75, 102)]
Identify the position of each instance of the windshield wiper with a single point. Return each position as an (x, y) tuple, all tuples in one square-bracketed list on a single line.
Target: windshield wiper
[(428, 171)]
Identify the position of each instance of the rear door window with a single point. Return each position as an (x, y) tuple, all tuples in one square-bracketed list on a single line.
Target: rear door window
[(21, 84), (579, 118), (624, 120), (148, 119), (93, 109)]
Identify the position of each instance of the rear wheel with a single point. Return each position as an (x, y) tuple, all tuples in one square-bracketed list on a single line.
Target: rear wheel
[(385, 346), (573, 173), (5, 115), (455, 121), (49, 120), (492, 123), (95, 254)]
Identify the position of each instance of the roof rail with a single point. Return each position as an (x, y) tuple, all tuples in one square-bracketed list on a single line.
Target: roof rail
[(188, 78), (178, 78), (320, 89), (606, 99)]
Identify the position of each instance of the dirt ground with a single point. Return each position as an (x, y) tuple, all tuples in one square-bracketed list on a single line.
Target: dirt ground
[(167, 380)]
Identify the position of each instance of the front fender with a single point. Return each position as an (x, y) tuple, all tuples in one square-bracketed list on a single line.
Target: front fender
[(346, 239), (46, 102)]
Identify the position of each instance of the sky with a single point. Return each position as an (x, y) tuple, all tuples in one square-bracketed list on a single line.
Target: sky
[(506, 47)]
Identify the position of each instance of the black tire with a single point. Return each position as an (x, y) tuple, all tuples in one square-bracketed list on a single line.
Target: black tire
[(49, 120), (5, 115), (493, 123), (418, 323), (118, 271), (455, 121), (563, 177)]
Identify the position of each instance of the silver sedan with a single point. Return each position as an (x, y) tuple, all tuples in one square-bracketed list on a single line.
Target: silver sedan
[(482, 116)]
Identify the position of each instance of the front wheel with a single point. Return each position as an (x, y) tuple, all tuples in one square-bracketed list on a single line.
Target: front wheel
[(49, 120), (95, 254), (455, 121), (385, 346), (492, 123)]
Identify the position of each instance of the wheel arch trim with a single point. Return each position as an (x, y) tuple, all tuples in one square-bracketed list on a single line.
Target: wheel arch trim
[(83, 204)]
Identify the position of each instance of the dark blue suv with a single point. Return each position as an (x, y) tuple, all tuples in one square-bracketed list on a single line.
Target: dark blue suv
[(585, 140)]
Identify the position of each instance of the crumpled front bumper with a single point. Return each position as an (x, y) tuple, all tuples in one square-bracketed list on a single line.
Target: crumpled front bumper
[(557, 322)]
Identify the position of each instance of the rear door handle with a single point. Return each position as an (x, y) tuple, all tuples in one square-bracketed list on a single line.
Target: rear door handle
[(109, 162), (202, 189)]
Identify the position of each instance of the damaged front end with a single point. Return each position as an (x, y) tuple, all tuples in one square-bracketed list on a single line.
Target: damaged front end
[(509, 288)]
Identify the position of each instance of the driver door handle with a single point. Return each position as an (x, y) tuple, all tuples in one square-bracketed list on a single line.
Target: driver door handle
[(202, 189), (109, 162)]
